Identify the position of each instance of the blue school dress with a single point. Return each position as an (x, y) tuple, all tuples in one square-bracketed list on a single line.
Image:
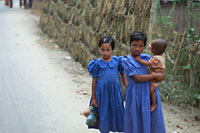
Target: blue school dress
[(108, 94), (138, 118)]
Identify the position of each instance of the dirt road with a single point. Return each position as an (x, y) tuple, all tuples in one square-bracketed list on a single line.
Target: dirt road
[(43, 89), (36, 94)]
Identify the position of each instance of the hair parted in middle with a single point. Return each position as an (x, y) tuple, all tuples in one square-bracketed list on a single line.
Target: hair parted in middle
[(107, 39)]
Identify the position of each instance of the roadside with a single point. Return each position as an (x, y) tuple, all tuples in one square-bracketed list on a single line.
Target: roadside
[(37, 94)]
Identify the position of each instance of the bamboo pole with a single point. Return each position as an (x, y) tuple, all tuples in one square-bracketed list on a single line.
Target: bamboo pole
[(152, 21), (179, 51)]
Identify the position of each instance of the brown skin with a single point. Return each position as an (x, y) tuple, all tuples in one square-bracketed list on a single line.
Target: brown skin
[(146, 63), (158, 46), (144, 78), (94, 101), (136, 48), (125, 82), (106, 53), (159, 76), (151, 46), (153, 50)]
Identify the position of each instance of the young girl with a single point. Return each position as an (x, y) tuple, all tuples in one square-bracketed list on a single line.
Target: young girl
[(157, 65), (106, 88), (138, 118)]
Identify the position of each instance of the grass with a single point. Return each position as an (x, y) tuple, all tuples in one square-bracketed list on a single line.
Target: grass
[(176, 91)]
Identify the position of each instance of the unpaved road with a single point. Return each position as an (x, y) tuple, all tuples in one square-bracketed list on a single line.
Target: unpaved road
[(36, 95), (42, 89)]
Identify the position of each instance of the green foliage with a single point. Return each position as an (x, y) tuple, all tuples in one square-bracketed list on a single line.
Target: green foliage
[(192, 35), (180, 1), (192, 38), (165, 21), (198, 39), (195, 4), (187, 67), (197, 96), (127, 43), (198, 17), (51, 7), (175, 91)]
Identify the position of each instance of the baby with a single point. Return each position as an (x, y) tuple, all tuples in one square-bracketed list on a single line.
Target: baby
[(156, 65)]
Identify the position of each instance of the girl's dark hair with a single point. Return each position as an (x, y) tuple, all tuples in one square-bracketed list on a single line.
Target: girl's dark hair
[(137, 36), (107, 39)]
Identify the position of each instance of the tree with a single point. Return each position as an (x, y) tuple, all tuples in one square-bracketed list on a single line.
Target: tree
[(153, 18)]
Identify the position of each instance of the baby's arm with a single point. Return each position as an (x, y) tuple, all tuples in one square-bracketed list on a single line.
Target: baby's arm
[(146, 63), (123, 76), (94, 102), (144, 78)]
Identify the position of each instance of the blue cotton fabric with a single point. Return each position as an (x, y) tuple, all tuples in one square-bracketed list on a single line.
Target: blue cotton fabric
[(108, 94), (138, 118)]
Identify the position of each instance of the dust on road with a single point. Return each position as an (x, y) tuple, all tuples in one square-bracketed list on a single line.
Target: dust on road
[(67, 89)]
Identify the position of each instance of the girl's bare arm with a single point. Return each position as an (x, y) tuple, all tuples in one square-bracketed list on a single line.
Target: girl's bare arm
[(94, 102), (143, 78), (93, 87), (125, 82), (146, 63)]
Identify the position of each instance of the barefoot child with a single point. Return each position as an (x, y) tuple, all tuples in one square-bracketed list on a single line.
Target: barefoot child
[(156, 65), (106, 88)]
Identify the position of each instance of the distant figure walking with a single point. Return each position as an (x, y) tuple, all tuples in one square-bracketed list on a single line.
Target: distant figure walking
[(20, 3), (26, 4), (9, 3)]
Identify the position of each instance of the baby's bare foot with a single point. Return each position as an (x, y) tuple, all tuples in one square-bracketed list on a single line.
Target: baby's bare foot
[(85, 113)]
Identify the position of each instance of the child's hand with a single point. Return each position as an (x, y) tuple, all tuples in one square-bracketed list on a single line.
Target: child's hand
[(149, 46), (94, 102)]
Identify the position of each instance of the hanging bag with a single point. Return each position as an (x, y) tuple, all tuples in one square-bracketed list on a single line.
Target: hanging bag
[(92, 118)]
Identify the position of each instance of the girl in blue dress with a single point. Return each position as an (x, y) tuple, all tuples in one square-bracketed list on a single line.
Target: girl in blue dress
[(138, 118), (106, 88)]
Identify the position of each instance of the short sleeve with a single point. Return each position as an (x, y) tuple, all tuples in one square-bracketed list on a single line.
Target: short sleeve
[(145, 57), (130, 66), (120, 67), (93, 68)]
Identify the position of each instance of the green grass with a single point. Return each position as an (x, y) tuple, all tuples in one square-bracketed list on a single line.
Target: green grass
[(176, 91)]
